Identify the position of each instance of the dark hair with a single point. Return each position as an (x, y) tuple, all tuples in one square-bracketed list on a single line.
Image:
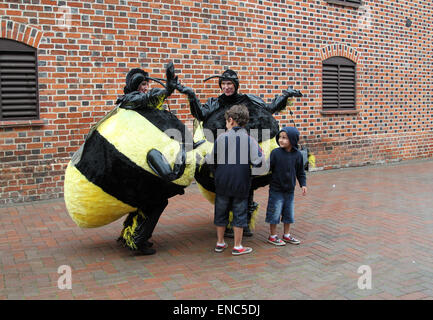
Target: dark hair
[(238, 113)]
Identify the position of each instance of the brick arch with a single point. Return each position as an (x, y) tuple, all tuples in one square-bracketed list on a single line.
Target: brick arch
[(339, 50), (20, 32)]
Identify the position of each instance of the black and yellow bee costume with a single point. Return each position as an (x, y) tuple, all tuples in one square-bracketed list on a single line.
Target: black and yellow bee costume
[(130, 164), (262, 126)]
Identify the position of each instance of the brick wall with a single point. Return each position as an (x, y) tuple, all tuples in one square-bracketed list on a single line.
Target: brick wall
[(84, 57)]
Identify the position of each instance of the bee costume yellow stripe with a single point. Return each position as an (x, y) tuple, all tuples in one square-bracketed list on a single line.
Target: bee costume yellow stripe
[(130, 164)]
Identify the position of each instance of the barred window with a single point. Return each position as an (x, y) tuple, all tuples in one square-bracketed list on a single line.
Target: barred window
[(350, 3), (19, 97), (338, 84)]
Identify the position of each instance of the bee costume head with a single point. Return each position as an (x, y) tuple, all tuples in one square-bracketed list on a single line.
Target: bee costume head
[(134, 78), (228, 75)]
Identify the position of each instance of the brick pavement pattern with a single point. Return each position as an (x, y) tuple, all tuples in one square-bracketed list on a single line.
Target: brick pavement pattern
[(377, 216)]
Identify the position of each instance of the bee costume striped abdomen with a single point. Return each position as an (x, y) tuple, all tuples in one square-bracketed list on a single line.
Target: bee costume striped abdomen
[(112, 177)]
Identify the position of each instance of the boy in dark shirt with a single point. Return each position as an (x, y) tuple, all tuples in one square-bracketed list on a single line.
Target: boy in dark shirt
[(233, 154), (286, 164)]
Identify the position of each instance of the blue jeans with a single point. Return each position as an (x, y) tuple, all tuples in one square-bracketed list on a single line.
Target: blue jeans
[(280, 205), (224, 204)]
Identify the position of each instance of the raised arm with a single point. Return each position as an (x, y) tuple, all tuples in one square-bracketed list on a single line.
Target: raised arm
[(198, 110), (155, 97), (136, 100), (279, 103)]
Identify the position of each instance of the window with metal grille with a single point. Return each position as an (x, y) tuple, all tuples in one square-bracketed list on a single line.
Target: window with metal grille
[(350, 3), (338, 84), (19, 98)]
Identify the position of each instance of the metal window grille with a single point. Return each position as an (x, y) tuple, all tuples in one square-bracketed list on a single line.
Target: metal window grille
[(338, 84), (350, 3), (19, 98)]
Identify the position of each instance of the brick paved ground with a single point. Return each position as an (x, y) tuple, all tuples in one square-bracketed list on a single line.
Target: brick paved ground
[(377, 216)]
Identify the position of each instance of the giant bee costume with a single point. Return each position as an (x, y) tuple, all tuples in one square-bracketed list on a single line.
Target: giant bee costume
[(131, 164), (210, 116)]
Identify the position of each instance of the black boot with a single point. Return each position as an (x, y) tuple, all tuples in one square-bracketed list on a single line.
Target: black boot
[(247, 232), (145, 251), (252, 206), (139, 226), (228, 233), (145, 230), (148, 244)]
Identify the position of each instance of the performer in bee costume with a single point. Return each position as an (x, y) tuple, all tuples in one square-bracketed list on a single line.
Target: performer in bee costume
[(131, 164), (210, 116)]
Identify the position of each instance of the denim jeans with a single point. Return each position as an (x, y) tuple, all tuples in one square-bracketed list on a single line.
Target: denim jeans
[(280, 205), (224, 204)]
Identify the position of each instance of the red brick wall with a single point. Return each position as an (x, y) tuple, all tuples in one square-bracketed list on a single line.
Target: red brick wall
[(271, 45)]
